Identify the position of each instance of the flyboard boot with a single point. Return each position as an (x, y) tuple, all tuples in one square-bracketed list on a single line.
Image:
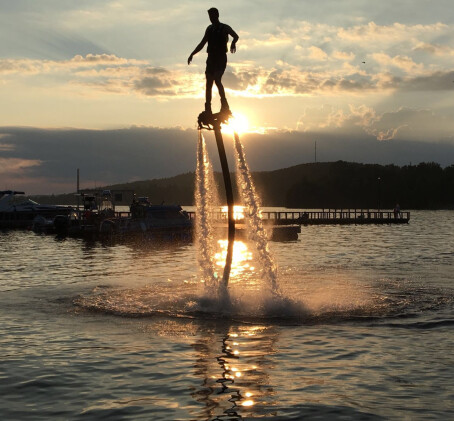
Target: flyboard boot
[(225, 109), (207, 120)]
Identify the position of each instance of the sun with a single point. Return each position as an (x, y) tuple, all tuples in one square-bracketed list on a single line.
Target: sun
[(238, 123)]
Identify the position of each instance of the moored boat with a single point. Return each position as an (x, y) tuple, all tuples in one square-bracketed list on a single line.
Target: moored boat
[(99, 219), (17, 211)]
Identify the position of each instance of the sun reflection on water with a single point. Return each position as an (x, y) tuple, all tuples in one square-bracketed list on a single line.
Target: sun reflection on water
[(249, 402), (232, 381), (241, 260), (238, 212)]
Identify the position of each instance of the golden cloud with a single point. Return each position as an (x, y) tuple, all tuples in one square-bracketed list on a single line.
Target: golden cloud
[(9, 166), (388, 33)]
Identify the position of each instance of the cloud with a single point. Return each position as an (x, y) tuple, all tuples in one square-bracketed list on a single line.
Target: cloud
[(279, 39), (397, 32), (105, 156), (240, 80), (33, 66), (159, 84), (434, 49), (16, 166), (113, 63), (418, 124), (342, 55), (134, 12), (290, 81), (139, 153), (305, 42), (317, 53), (338, 120), (164, 83), (91, 59), (110, 74), (437, 81), (404, 63), (20, 66), (6, 147), (403, 124)]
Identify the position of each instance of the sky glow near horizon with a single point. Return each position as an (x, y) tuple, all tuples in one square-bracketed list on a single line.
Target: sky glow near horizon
[(352, 68)]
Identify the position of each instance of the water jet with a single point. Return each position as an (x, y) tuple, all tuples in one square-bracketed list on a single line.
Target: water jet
[(213, 122)]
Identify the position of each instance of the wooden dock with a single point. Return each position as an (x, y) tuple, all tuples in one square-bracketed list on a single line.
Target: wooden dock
[(330, 217)]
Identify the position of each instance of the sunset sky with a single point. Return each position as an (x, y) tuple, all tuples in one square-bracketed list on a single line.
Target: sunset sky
[(370, 81)]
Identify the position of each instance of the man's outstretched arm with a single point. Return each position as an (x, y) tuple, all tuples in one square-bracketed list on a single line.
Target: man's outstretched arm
[(198, 48), (235, 37)]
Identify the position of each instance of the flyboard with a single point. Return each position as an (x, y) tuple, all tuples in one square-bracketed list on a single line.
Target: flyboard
[(213, 122)]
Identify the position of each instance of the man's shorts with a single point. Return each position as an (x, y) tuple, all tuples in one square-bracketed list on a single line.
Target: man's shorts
[(216, 64)]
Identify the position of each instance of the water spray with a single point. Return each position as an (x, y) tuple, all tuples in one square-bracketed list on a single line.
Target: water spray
[(256, 230), (213, 122), (205, 197)]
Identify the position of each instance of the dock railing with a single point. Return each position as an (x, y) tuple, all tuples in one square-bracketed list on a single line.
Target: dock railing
[(330, 216)]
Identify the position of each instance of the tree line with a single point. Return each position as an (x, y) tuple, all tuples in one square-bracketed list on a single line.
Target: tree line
[(317, 185)]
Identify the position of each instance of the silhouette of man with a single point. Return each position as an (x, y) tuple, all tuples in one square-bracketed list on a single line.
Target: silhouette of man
[(217, 37)]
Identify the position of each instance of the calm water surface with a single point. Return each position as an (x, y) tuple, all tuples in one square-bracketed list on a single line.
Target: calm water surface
[(363, 329)]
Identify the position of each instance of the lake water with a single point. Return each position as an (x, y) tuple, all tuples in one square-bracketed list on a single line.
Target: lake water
[(363, 329)]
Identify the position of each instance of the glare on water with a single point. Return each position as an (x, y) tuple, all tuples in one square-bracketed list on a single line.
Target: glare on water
[(241, 260), (238, 212)]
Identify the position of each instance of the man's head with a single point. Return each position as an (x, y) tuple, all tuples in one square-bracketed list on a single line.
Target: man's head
[(213, 13)]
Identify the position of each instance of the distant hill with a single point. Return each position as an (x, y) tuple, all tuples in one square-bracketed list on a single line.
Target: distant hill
[(317, 185)]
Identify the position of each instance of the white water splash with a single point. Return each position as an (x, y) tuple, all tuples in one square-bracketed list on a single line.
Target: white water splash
[(256, 231), (205, 198)]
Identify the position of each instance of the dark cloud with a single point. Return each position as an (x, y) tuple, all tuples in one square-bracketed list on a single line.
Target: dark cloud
[(154, 86), (111, 156), (404, 124), (105, 155), (296, 82), (313, 82), (438, 81), (284, 149), (422, 124), (239, 80), (355, 83), (279, 80), (157, 81), (156, 71)]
